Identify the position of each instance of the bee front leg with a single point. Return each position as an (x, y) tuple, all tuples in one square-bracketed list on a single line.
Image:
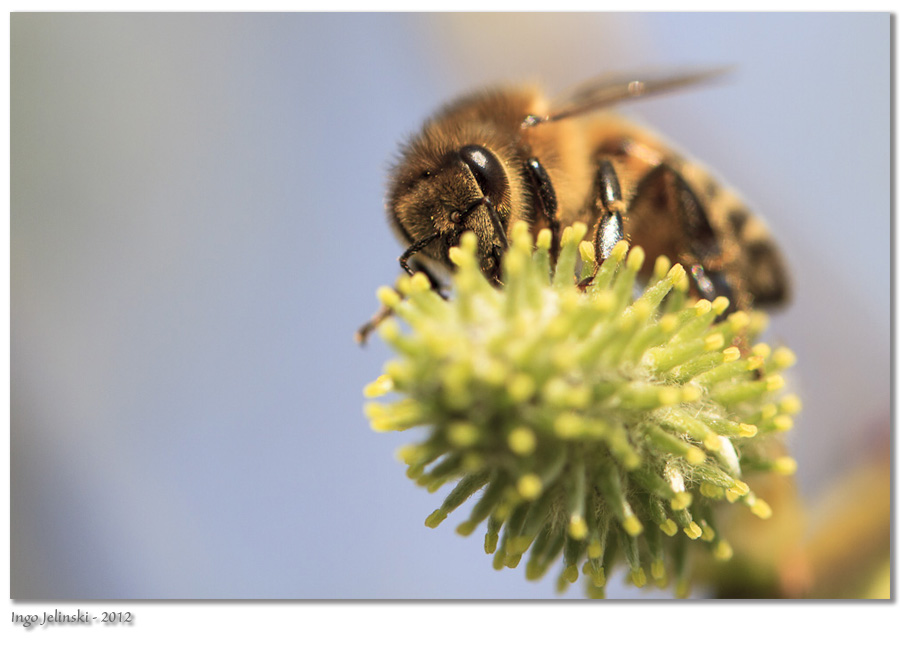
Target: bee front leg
[(545, 201), (362, 334), (413, 249), (384, 312), (607, 203)]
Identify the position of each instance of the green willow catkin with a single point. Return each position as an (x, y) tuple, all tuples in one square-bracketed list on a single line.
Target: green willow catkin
[(600, 426)]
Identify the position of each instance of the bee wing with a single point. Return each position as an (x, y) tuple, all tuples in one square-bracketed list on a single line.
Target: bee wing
[(605, 91)]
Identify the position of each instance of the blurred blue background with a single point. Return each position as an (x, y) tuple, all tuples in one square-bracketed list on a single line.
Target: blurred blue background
[(198, 228)]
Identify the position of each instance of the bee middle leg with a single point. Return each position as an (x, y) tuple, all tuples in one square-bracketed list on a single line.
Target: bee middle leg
[(607, 203)]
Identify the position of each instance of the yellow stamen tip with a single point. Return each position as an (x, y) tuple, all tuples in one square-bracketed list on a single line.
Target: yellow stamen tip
[(669, 527), (639, 577), (762, 350), (676, 274), (636, 259), (457, 256), (774, 382), (739, 320), (695, 455), (693, 531), (786, 466), (462, 434), (619, 250), (569, 233), (388, 296), (473, 462), (407, 454), (712, 442), (374, 409), (720, 304), (761, 508), (380, 386), (586, 250), (521, 387), (730, 354), (723, 551), (568, 426), (714, 341), (522, 441), (419, 282), (529, 486), (702, 306), (783, 423), (748, 430), (389, 330), (661, 266), (669, 396), (741, 488), (578, 528), (578, 229), (755, 363), (633, 526), (544, 239), (435, 518), (520, 229), (681, 500), (791, 405), (669, 321), (711, 491), (784, 358)]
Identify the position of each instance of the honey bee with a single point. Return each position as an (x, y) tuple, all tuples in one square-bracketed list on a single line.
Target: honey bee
[(493, 158)]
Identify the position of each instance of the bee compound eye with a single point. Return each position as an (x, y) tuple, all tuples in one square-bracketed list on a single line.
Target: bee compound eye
[(487, 169)]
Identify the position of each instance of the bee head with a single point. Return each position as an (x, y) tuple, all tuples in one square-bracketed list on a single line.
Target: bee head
[(434, 201)]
